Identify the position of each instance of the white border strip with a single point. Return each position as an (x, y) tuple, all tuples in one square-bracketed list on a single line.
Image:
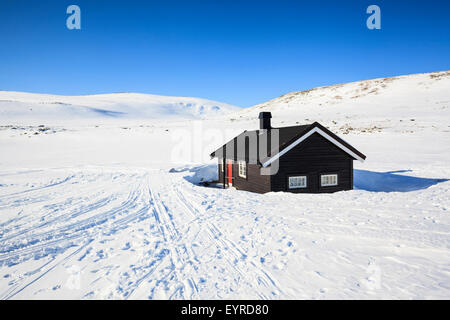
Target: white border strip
[(304, 137)]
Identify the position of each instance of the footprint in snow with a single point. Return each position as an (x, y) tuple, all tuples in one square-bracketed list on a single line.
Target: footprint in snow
[(127, 246)]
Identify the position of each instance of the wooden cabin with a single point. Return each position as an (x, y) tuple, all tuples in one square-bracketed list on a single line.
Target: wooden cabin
[(300, 159)]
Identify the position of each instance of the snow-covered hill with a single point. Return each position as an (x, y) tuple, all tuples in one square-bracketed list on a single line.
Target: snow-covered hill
[(400, 104), (21, 106)]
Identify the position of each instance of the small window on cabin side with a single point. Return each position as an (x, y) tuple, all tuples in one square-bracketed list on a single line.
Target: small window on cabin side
[(242, 169), (297, 182), (328, 180), (221, 164)]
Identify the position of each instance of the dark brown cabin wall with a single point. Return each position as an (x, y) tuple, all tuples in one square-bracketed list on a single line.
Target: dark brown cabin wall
[(280, 180), (255, 182), (313, 157)]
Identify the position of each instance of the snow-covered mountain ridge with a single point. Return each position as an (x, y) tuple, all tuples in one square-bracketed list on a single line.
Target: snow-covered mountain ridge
[(400, 104), (21, 106)]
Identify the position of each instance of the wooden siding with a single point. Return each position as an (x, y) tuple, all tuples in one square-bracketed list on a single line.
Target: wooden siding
[(313, 157), (255, 182)]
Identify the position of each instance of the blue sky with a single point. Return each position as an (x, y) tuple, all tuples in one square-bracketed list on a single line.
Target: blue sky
[(240, 52)]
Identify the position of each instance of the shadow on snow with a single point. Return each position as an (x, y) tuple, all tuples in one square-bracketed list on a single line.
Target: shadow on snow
[(201, 175), (390, 181)]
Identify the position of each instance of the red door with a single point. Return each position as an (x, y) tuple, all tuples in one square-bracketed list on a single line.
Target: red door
[(230, 172)]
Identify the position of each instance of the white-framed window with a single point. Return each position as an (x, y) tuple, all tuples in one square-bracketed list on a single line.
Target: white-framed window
[(242, 169), (221, 164), (297, 182), (328, 180)]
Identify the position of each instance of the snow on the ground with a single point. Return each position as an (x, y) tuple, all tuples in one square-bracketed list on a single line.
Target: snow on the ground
[(112, 210)]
